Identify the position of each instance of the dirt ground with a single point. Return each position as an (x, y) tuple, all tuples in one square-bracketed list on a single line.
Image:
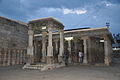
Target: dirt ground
[(76, 72)]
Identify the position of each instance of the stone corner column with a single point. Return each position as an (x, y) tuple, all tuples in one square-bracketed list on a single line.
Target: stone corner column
[(50, 48), (107, 51), (30, 55), (61, 50)]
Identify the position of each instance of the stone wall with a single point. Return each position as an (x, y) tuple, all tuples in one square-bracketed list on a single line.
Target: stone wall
[(13, 34), (13, 42)]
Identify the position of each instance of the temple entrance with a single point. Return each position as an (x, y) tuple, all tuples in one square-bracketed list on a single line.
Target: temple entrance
[(49, 44), (45, 50), (37, 51)]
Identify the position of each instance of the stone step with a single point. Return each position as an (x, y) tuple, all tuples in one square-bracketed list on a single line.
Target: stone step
[(42, 67), (37, 66)]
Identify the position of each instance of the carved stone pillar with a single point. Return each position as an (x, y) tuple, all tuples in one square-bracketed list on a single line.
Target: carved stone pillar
[(43, 47), (61, 51), (50, 48), (30, 57)]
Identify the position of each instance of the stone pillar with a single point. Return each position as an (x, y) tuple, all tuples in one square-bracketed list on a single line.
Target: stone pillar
[(0, 58), (56, 51), (35, 50), (56, 45), (85, 61), (17, 57), (30, 57), (24, 56), (69, 48), (8, 62), (4, 58), (107, 51), (43, 47), (13, 57), (50, 48), (76, 53), (61, 50), (21, 54)]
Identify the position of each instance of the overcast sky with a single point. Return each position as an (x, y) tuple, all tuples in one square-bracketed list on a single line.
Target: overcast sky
[(72, 13)]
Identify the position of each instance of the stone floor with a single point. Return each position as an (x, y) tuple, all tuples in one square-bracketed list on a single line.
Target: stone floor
[(78, 72)]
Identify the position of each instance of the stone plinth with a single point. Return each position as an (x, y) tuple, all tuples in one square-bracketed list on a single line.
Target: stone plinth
[(30, 59), (49, 59)]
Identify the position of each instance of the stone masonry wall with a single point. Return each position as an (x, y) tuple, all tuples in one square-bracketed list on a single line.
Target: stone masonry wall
[(13, 42), (13, 34)]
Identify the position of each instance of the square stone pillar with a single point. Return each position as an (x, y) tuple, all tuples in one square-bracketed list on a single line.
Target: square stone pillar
[(85, 51), (56, 50), (69, 48), (75, 47), (4, 58), (44, 47), (50, 48), (61, 50), (0, 58), (9, 60), (30, 57), (13, 57), (107, 51), (85, 61)]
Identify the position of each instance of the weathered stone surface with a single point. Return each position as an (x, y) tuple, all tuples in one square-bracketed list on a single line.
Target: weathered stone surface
[(12, 34)]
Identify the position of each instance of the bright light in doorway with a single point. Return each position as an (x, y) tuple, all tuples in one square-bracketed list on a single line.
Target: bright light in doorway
[(68, 38), (101, 40)]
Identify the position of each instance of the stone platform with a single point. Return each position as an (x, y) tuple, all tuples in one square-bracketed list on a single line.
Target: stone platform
[(43, 66)]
